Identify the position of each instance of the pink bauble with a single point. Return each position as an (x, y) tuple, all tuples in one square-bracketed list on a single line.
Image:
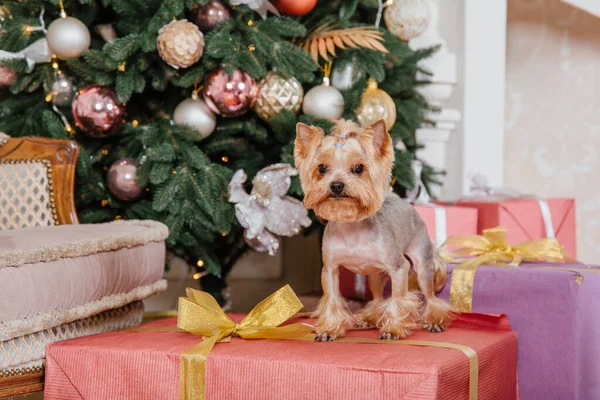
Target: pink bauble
[(122, 180), (97, 111), (7, 76), (208, 16), (230, 96)]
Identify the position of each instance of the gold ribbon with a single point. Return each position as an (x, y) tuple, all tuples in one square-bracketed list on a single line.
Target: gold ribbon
[(200, 314), (491, 248)]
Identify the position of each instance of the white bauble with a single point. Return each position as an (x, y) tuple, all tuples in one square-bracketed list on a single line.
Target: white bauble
[(195, 113), (324, 102), (68, 38), (407, 19)]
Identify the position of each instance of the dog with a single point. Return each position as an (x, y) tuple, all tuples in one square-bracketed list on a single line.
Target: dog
[(370, 230)]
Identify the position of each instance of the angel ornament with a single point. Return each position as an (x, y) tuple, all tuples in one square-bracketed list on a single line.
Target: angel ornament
[(3, 138), (267, 213)]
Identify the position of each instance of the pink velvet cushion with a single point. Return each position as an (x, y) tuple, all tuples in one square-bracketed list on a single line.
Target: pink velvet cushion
[(54, 275)]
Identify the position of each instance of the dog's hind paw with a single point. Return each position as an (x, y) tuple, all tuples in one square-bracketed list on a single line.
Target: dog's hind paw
[(325, 337)]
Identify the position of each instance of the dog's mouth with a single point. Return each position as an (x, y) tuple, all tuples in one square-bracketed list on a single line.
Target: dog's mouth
[(336, 196)]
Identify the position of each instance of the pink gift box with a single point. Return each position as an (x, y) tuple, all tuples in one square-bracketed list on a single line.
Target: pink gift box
[(459, 221), (523, 220), (146, 365)]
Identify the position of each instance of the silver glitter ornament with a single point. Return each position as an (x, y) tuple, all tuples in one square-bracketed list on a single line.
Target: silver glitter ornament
[(345, 74), (68, 38), (267, 213), (407, 19), (62, 91)]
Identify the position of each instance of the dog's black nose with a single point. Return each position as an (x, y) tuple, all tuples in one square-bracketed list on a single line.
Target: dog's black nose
[(337, 187)]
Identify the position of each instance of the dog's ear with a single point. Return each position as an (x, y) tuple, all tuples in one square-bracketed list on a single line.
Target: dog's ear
[(381, 138), (306, 138)]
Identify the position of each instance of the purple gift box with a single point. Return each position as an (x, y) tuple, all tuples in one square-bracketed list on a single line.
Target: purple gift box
[(555, 308)]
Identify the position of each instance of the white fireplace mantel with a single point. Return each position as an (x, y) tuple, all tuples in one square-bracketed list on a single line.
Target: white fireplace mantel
[(483, 91), (468, 86)]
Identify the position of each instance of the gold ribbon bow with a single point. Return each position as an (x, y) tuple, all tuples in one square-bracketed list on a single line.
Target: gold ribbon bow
[(491, 248), (200, 314)]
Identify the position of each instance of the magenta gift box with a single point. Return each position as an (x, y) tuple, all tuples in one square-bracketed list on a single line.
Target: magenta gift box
[(555, 309)]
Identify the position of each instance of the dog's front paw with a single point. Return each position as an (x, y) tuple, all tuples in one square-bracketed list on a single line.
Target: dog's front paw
[(325, 337), (363, 325), (388, 336), (431, 327)]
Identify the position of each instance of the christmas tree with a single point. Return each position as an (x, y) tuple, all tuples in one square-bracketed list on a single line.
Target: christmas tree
[(134, 62)]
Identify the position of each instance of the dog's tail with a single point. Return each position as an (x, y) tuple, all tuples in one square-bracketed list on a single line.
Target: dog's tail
[(439, 271)]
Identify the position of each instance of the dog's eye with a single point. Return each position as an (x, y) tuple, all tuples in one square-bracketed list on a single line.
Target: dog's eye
[(322, 168), (358, 169)]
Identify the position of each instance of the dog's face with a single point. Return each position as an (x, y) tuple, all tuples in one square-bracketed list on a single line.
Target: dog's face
[(344, 175)]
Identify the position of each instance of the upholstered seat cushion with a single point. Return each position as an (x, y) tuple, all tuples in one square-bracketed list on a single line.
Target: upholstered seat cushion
[(30, 350), (58, 274)]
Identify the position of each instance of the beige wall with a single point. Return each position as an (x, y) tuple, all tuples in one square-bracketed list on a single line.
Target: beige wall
[(552, 129)]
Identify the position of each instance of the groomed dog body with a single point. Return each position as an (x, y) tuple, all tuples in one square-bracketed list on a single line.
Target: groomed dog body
[(370, 230)]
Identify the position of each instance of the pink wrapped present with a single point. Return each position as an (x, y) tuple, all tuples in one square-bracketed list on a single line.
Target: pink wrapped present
[(475, 358), (528, 219), (441, 222)]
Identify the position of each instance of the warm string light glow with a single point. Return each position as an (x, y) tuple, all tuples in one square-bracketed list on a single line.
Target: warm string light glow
[(199, 275)]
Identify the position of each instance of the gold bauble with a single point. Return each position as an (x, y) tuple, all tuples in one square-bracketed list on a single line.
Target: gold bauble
[(277, 94), (180, 43), (375, 105)]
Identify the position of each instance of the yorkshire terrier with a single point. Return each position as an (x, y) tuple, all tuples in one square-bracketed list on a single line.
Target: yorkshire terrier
[(369, 230)]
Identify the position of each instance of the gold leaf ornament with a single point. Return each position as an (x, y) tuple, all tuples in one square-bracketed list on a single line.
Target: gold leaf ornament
[(324, 40)]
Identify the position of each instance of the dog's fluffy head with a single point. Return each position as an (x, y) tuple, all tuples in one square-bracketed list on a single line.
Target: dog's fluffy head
[(345, 174)]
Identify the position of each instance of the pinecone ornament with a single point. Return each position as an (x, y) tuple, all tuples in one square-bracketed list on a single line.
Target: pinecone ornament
[(277, 94), (180, 43)]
